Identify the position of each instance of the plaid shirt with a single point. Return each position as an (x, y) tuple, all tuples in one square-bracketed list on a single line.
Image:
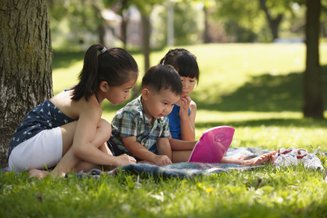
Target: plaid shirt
[(131, 121)]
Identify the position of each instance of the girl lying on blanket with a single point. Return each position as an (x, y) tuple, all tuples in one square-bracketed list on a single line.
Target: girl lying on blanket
[(215, 142)]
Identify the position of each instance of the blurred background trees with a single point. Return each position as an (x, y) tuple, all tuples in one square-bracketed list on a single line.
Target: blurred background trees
[(77, 23), (154, 24)]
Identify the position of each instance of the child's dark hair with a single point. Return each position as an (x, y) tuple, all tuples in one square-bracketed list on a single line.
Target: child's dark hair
[(183, 61), (162, 77), (115, 66)]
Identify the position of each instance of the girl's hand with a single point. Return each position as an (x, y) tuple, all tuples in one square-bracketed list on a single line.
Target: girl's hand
[(185, 102), (162, 160), (125, 159)]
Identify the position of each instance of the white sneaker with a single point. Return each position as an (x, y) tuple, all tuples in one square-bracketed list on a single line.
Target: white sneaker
[(285, 160), (311, 161)]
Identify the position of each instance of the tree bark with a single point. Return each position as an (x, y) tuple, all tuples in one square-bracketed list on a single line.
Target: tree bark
[(206, 34), (25, 63), (101, 22), (313, 99), (123, 29), (124, 13), (146, 40)]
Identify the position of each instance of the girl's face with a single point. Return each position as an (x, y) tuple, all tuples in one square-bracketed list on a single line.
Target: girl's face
[(158, 104), (188, 85), (119, 94)]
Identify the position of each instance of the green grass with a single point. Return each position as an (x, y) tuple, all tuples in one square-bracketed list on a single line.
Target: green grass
[(267, 192), (257, 88)]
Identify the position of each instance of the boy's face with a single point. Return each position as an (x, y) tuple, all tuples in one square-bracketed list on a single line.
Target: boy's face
[(158, 104)]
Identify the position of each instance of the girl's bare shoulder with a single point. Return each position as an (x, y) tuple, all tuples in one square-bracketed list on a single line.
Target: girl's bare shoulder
[(74, 109)]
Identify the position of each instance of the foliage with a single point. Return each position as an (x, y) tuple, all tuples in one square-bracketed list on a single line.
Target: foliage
[(240, 19), (246, 20), (146, 8), (187, 26), (74, 23)]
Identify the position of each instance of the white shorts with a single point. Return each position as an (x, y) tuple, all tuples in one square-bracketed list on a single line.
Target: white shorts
[(42, 151)]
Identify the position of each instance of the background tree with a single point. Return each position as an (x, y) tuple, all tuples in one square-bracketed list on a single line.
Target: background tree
[(187, 25), (313, 99), (241, 19), (206, 35), (274, 21), (145, 8), (261, 20), (122, 9), (97, 7), (25, 63), (76, 23)]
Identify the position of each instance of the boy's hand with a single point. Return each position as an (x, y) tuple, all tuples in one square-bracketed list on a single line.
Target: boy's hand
[(125, 159), (162, 160)]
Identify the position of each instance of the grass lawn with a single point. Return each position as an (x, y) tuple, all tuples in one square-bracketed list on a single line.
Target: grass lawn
[(257, 88)]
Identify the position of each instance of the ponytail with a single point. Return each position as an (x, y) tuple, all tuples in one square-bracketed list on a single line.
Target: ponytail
[(115, 66)]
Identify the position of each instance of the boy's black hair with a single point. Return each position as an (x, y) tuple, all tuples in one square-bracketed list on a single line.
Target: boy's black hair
[(115, 66), (162, 77), (183, 61)]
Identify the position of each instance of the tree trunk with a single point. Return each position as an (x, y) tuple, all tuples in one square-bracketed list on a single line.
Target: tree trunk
[(206, 34), (274, 26), (25, 63), (170, 24), (272, 22), (100, 20), (102, 34), (146, 40), (313, 99), (123, 29), (125, 14)]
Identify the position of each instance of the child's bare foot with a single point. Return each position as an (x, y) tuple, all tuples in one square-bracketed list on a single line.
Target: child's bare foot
[(38, 173), (262, 159), (233, 159)]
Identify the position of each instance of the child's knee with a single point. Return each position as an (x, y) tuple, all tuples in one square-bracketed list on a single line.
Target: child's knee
[(103, 124), (105, 128)]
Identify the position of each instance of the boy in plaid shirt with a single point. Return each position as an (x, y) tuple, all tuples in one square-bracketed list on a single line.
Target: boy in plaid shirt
[(141, 128)]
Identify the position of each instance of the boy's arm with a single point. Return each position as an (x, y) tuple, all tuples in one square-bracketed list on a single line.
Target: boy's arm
[(142, 153)]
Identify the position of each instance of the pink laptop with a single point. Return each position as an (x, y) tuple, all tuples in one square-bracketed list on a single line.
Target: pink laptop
[(212, 145)]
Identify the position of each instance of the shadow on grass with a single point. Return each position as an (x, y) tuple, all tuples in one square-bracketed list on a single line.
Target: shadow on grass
[(62, 59), (305, 123), (265, 93)]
